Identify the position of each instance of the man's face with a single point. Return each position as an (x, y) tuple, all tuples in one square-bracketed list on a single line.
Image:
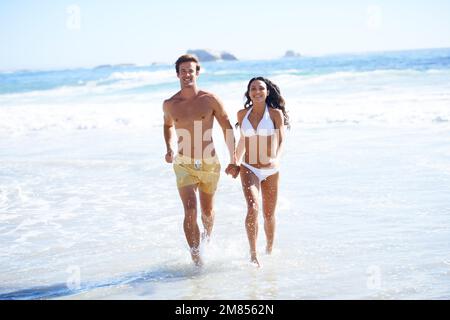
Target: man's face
[(187, 74)]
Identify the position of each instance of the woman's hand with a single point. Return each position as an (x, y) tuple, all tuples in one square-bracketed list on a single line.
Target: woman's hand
[(274, 163), (233, 169)]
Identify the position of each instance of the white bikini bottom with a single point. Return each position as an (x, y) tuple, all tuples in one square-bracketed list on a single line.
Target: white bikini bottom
[(261, 173)]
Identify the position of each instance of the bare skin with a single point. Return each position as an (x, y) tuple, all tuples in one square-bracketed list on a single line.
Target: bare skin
[(260, 152), (269, 188), (191, 112), (250, 185), (190, 226)]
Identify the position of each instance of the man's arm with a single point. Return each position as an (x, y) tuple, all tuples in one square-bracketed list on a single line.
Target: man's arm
[(168, 132), (228, 133)]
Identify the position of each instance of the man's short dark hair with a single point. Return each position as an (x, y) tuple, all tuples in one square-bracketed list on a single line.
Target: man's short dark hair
[(187, 58)]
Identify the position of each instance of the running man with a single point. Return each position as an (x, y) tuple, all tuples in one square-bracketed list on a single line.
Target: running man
[(191, 112)]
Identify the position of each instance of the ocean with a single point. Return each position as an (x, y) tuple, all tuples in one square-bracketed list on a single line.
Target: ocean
[(89, 209)]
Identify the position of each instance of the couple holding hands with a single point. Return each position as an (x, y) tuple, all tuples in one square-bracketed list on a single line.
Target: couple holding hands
[(262, 121)]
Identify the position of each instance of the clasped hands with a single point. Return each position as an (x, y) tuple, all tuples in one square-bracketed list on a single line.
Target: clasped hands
[(233, 170)]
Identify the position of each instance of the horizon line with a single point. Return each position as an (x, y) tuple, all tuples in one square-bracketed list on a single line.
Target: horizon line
[(310, 55)]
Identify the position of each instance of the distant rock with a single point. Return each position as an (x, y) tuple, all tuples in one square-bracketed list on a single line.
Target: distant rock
[(121, 65), (103, 66), (204, 55), (208, 55), (227, 56), (125, 65), (292, 54)]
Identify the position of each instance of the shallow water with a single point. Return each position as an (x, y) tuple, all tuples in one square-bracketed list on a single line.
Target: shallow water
[(360, 215), (89, 209)]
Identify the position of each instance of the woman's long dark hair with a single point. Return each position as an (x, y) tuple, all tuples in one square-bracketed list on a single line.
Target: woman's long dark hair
[(273, 100)]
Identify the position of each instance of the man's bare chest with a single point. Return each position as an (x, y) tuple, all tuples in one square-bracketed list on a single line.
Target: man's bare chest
[(188, 112)]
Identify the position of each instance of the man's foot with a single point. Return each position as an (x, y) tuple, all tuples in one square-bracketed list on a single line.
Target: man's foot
[(196, 258), (268, 250)]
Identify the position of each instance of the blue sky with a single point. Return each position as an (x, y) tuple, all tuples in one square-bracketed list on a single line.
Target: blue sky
[(49, 34)]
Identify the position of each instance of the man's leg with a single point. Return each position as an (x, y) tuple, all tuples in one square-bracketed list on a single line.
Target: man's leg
[(191, 230), (207, 205)]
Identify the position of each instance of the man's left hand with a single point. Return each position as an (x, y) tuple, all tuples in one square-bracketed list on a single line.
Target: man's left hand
[(232, 169)]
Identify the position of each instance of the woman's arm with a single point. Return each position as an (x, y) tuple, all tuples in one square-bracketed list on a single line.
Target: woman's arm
[(280, 128), (240, 149)]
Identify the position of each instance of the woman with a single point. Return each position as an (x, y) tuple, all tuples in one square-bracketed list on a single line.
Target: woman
[(262, 123)]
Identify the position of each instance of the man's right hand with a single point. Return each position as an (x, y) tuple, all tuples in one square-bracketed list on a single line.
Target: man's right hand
[(169, 156)]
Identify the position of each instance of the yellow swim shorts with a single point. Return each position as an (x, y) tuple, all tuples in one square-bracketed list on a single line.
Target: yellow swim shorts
[(203, 172)]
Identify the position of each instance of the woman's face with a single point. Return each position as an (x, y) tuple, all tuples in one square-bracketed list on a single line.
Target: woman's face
[(258, 91)]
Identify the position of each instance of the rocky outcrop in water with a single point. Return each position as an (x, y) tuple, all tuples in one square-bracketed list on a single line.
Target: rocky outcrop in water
[(291, 54), (208, 55)]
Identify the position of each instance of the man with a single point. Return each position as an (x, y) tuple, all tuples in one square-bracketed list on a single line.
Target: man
[(192, 111)]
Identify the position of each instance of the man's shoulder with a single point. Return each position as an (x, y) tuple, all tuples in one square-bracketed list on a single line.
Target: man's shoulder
[(207, 96), (172, 99), (209, 99)]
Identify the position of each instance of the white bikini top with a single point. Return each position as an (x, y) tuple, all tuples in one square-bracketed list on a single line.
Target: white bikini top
[(265, 126)]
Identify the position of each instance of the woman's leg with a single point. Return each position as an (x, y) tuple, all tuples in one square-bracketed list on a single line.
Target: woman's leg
[(269, 190), (250, 186)]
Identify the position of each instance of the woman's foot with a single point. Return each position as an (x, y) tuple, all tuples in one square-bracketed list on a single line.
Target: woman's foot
[(254, 261), (205, 238)]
